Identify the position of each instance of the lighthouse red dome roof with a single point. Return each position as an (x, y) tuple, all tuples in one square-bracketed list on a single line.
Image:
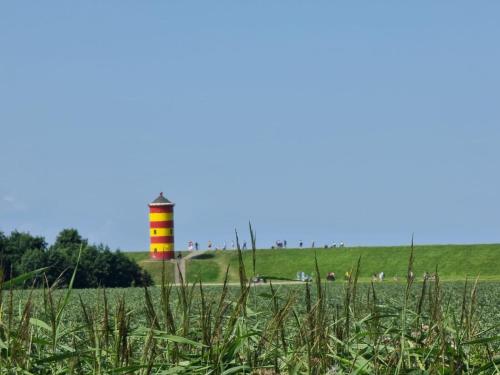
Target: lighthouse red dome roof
[(160, 201)]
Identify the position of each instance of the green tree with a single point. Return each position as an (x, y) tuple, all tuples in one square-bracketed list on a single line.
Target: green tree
[(31, 260), (69, 240), (115, 269), (3, 247), (98, 265), (61, 267), (14, 247)]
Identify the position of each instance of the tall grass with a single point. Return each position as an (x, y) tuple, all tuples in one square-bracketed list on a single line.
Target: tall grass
[(192, 330)]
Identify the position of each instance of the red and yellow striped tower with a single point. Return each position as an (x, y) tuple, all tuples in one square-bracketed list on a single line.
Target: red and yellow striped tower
[(161, 228)]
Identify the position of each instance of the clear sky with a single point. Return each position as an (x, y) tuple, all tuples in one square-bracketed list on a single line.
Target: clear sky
[(330, 121)]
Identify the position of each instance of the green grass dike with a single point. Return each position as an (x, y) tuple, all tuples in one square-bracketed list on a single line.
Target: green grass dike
[(453, 262)]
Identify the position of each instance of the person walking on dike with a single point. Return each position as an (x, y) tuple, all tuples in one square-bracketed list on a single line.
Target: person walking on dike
[(284, 244), (196, 246), (209, 245), (244, 245), (190, 245), (300, 244)]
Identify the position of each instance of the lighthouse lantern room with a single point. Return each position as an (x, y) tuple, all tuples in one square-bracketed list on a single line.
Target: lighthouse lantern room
[(161, 228)]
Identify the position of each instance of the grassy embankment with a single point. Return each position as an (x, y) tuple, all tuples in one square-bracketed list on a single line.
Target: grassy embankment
[(454, 262)]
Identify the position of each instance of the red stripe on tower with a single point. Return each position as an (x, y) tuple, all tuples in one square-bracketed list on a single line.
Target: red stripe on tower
[(161, 224), (162, 239), (161, 209)]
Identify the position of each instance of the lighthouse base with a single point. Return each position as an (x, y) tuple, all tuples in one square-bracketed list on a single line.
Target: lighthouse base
[(162, 255)]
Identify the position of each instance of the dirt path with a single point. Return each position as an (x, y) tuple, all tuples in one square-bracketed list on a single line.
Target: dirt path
[(180, 265), (194, 254), (277, 282), (180, 269)]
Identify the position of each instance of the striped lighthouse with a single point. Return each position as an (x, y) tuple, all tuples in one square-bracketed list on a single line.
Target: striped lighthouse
[(161, 228)]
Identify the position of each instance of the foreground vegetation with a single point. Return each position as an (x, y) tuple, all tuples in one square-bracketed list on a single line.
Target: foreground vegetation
[(454, 262), (314, 328)]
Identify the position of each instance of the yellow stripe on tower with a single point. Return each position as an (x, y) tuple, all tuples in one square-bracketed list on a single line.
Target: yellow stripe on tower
[(154, 232), (161, 216), (161, 247)]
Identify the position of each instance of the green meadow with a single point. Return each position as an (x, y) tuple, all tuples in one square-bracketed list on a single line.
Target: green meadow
[(453, 262)]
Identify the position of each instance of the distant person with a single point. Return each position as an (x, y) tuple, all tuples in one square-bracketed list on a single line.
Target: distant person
[(190, 245), (341, 244), (284, 244), (301, 244), (209, 245), (312, 245), (244, 245), (196, 245)]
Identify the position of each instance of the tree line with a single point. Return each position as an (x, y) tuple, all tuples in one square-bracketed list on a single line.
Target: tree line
[(98, 266)]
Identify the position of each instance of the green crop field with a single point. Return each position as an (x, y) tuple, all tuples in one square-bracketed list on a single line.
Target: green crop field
[(318, 327), (326, 328), (454, 262)]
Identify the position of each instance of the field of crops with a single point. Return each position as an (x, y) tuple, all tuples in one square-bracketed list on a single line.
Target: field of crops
[(310, 328)]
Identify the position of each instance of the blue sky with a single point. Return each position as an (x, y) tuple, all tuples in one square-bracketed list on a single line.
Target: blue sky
[(357, 122)]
